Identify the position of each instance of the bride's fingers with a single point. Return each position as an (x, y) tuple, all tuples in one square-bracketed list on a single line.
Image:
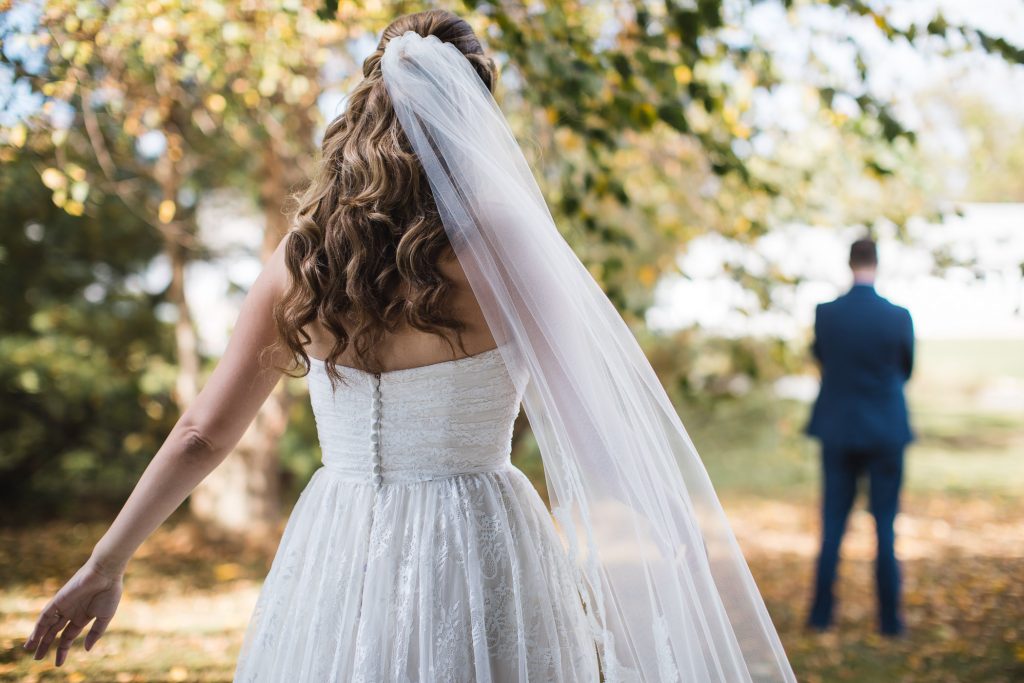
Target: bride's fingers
[(47, 619), (49, 635), (98, 627), (37, 629), (66, 639)]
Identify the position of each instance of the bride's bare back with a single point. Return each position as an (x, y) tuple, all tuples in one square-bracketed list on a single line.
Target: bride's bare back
[(411, 347)]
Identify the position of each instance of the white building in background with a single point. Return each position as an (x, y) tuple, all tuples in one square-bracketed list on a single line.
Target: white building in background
[(984, 299)]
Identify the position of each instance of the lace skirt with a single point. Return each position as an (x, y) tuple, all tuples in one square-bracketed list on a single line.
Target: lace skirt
[(456, 579)]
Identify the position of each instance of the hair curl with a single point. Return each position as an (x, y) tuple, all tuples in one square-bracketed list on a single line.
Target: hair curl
[(364, 249)]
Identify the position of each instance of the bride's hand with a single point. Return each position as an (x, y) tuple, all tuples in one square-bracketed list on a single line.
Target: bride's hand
[(91, 593)]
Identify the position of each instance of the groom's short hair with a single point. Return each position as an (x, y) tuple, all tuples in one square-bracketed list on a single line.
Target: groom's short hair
[(863, 253)]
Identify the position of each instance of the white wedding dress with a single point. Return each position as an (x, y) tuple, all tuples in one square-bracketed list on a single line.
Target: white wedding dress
[(418, 552)]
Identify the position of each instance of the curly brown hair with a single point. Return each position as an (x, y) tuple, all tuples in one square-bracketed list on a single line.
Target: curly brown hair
[(364, 249)]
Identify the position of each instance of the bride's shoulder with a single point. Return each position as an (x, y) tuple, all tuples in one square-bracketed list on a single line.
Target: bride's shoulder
[(275, 268)]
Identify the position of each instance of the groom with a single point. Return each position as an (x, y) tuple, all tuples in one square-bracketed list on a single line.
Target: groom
[(865, 348)]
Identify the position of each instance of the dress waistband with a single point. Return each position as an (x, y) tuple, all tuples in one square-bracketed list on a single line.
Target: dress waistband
[(357, 472)]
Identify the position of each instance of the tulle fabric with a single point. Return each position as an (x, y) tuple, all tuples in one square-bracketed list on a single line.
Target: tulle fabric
[(465, 580), (450, 569), (668, 594)]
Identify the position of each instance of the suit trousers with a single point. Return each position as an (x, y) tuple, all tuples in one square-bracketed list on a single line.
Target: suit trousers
[(842, 468)]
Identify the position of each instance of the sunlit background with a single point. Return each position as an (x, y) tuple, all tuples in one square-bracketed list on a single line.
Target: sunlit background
[(709, 161)]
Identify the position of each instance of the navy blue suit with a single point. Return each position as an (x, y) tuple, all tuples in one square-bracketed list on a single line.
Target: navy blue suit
[(865, 347)]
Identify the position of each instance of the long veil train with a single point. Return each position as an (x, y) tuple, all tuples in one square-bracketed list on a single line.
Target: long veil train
[(667, 591)]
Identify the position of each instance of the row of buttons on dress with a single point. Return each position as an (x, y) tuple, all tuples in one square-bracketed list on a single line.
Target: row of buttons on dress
[(378, 478)]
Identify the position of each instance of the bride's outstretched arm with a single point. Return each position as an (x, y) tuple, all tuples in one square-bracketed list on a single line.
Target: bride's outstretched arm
[(204, 435), (209, 428)]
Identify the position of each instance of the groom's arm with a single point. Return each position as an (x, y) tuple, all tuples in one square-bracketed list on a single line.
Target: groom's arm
[(209, 428), (908, 344), (816, 343)]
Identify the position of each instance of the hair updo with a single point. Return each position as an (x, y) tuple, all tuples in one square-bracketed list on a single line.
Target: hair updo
[(449, 28), (364, 249)]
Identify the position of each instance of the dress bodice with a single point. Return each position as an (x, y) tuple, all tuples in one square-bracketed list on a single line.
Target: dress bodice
[(416, 424), (419, 552)]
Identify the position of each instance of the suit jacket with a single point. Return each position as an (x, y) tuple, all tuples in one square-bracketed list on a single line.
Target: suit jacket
[(865, 347)]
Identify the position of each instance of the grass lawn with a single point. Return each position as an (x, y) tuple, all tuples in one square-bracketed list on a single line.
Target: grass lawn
[(960, 539), (960, 533)]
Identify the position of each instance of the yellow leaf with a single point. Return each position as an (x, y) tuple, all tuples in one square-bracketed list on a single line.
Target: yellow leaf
[(163, 26), (83, 54), (67, 49), (683, 74), (647, 275), (53, 178), (567, 140), (79, 190), (226, 571), (216, 103), (133, 442), (75, 171), (18, 135), (155, 409), (166, 212), (29, 381)]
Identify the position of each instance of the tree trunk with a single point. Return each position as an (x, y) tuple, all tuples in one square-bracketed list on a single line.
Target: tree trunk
[(186, 343), (242, 496)]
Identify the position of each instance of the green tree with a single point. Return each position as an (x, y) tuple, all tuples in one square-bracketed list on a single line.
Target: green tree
[(171, 99), (641, 120), (76, 417)]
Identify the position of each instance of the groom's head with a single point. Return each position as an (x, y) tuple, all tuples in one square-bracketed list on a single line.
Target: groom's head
[(864, 260)]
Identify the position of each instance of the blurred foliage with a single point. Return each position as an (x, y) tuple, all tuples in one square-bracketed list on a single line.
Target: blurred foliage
[(995, 150), (145, 108), (643, 119), (160, 90), (640, 117), (722, 382), (84, 366), (640, 120)]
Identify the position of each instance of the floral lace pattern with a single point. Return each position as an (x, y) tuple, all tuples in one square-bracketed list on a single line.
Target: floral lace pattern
[(449, 570)]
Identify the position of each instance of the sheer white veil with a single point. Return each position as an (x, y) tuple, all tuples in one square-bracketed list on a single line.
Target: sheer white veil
[(667, 591)]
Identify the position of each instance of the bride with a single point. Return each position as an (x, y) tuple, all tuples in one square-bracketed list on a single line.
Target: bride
[(427, 293)]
